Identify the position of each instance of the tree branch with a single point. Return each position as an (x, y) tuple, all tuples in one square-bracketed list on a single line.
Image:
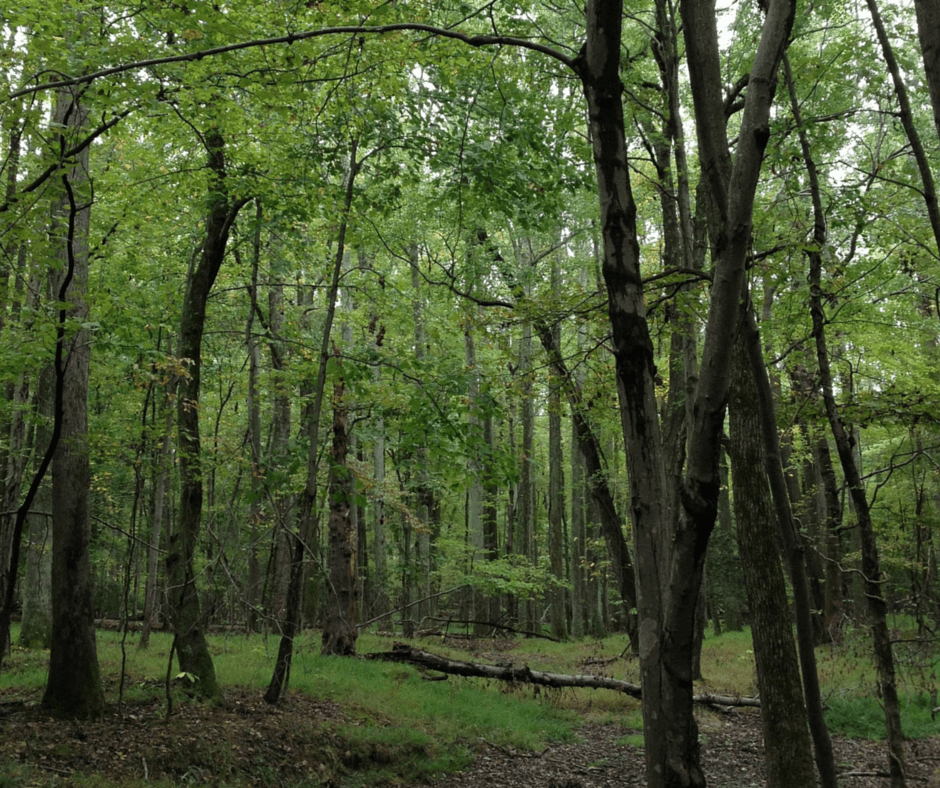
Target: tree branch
[(290, 38)]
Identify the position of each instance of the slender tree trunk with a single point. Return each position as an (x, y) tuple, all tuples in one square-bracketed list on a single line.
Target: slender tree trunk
[(833, 612), (424, 492), (871, 565), (556, 500), (184, 607), (905, 115), (36, 626), (306, 512), (596, 477), (162, 474), (871, 569), (527, 469), (253, 586), (73, 686), (381, 605), (280, 451)]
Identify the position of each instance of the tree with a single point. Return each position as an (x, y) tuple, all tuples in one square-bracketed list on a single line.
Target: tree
[(185, 613), (73, 686)]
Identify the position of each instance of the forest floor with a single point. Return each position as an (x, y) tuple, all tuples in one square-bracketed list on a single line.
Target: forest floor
[(324, 734), (244, 741)]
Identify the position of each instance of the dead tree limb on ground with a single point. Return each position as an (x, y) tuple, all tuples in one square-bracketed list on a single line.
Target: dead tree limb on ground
[(401, 652)]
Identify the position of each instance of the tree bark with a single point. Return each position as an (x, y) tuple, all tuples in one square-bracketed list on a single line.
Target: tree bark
[(73, 685), (928, 33), (184, 608), (783, 713), (339, 625)]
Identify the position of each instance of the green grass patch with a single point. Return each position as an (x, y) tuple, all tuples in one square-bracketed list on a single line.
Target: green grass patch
[(632, 740), (864, 717)]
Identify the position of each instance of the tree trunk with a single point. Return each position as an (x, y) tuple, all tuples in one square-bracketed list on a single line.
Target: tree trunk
[(36, 626), (306, 511), (339, 625), (184, 608), (906, 116), (667, 602), (253, 586), (279, 454), (402, 652), (556, 501), (928, 32), (162, 474), (526, 545), (73, 686), (596, 477), (381, 603), (424, 504), (833, 611), (783, 715), (871, 565)]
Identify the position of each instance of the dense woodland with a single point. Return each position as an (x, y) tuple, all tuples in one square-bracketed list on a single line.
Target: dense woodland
[(520, 316)]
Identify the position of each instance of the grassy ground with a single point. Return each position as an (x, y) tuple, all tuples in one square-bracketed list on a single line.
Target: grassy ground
[(396, 727)]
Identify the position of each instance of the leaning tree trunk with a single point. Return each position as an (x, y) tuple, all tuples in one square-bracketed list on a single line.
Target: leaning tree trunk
[(184, 611), (73, 686), (596, 479), (906, 115)]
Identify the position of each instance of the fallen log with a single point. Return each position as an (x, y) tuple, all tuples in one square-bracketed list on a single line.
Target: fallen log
[(402, 652)]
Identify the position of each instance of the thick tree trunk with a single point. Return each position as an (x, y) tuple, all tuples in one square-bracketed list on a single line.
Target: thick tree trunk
[(669, 760), (339, 625), (73, 686), (783, 715), (667, 601)]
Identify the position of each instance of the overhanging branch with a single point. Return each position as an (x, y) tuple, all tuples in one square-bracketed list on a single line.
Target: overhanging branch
[(290, 38)]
